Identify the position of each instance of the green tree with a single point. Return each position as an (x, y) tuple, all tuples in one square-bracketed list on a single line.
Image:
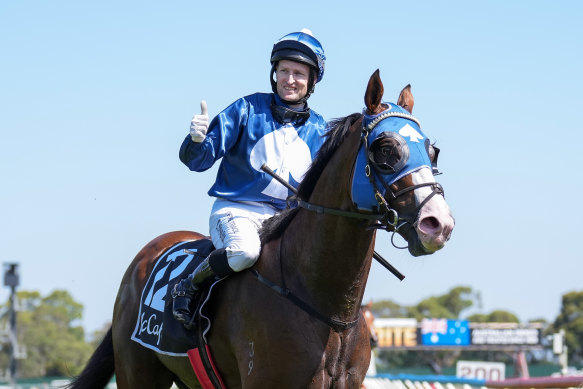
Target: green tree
[(570, 319), (388, 308), (446, 306), (497, 316), (48, 328)]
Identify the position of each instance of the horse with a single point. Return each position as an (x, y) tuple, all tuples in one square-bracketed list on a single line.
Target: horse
[(320, 251)]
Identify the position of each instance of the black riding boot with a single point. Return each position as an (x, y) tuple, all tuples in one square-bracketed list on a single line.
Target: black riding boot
[(215, 265), (184, 291)]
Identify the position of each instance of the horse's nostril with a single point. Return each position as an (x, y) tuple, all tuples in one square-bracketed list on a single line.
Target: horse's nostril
[(428, 224)]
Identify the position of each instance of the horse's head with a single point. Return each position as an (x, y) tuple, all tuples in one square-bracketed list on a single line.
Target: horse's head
[(394, 173)]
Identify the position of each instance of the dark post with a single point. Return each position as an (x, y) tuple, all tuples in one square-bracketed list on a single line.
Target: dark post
[(11, 280)]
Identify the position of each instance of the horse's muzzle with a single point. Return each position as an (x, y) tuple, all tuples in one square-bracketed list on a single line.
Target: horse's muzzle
[(415, 247), (414, 244)]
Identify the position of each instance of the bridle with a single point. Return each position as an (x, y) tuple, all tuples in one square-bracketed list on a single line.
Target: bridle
[(391, 220), (387, 218)]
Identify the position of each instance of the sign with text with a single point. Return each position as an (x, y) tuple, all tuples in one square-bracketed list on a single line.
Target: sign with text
[(516, 335), (396, 332), (494, 371), (446, 333)]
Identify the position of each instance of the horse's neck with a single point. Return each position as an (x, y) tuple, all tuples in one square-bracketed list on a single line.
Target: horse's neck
[(329, 256)]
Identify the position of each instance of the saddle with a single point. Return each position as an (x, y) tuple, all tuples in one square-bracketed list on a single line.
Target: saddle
[(156, 327)]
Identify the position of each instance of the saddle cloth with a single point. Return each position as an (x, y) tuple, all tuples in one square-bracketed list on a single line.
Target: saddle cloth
[(156, 327)]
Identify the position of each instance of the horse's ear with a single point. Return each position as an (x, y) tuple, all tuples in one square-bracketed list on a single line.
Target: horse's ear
[(374, 93), (406, 99)]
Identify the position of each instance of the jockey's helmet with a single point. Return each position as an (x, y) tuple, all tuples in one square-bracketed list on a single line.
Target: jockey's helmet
[(299, 47)]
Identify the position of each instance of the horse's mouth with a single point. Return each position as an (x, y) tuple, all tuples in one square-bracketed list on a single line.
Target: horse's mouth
[(414, 244), (416, 248), (420, 242)]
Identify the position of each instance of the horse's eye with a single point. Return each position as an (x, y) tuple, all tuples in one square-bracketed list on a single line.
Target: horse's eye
[(389, 153)]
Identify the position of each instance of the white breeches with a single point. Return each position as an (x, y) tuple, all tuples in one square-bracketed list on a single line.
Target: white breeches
[(234, 226)]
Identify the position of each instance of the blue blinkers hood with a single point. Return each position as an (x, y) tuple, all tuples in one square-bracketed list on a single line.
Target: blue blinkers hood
[(394, 120)]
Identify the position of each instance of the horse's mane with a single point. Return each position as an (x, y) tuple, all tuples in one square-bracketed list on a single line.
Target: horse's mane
[(337, 131)]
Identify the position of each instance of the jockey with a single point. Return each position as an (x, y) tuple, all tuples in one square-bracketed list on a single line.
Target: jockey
[(276, 129)]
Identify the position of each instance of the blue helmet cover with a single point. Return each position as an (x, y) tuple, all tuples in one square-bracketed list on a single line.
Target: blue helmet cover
[(398, 120), (289, 43)]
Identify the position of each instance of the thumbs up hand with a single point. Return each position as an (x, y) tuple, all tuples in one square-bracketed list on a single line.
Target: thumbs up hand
[(199, 124)]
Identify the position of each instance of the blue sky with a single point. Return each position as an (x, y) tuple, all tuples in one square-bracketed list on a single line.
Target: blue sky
[(96, 97)]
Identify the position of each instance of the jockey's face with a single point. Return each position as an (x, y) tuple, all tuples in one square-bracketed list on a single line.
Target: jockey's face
[(292, 80)]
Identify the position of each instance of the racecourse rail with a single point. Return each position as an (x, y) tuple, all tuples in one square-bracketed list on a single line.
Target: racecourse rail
[(387, 381)]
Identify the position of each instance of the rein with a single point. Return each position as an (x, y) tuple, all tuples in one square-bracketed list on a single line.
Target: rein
[(336, 325), (283, 291), (338, 212), (388, 218)]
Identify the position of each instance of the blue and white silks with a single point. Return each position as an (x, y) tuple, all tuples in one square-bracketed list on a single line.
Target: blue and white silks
[(246, 136), (398, 120)]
